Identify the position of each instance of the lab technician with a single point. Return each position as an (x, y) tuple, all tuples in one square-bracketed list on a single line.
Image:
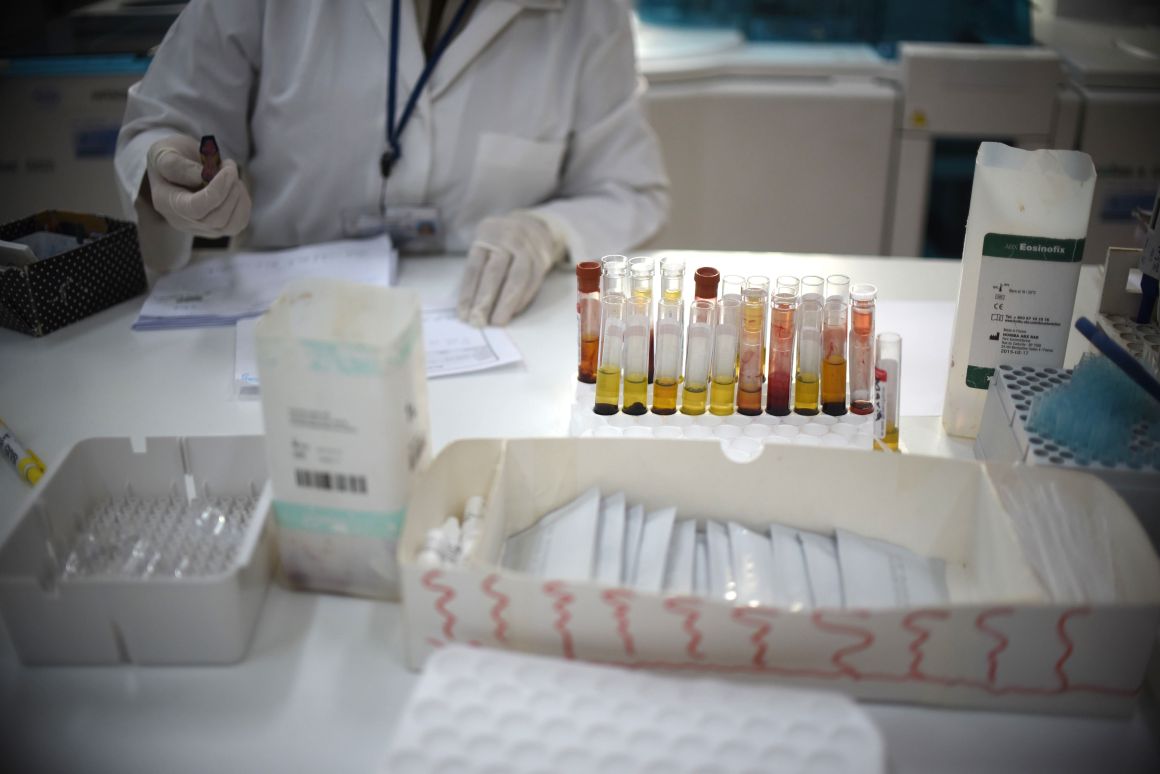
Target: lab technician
[(526, 142)]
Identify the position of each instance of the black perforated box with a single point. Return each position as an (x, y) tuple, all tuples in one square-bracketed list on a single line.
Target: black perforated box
[(103, 269)]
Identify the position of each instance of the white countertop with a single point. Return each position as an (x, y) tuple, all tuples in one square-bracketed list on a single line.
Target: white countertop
[(324, 681)]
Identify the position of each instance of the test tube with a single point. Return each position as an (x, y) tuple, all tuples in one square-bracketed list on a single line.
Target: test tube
[(614, 273), (698, 350), (731, 285), (782, 313), (636, 355), (862, 314), (673, 287), (887, 373), (809, 367), (835, 329), (672, 278), (726, 334), (670, 331), (751, 351), (588, 319), (705, 282), (612, 309), (641, 275), (758, 282)]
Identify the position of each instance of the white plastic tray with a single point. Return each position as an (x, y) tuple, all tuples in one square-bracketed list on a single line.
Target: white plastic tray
[(481, 710), (201, 611)]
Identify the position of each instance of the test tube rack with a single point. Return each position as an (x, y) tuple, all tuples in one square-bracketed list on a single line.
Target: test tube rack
[(740, 433), (1118, 307), (1004, 437)]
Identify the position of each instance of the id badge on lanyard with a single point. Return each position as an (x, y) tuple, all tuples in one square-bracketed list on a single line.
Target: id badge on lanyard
[(413, 228)]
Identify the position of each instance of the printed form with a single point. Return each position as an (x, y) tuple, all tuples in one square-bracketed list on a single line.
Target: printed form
[(452, 347)]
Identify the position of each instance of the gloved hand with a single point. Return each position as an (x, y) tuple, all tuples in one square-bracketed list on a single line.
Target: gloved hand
[(215, 209), (506, 266)]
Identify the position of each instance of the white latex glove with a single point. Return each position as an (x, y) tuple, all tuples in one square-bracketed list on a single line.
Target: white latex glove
[(506, 266), (215, 209)]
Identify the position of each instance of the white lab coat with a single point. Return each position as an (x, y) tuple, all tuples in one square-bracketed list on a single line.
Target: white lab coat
[(536, 104)]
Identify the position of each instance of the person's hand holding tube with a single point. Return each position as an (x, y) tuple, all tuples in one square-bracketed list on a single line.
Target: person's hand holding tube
[(178, 193), (506, 265)]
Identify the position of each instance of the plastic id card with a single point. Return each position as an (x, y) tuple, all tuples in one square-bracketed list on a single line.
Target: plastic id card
[(719, 562), (559, 546), (415, 229), (633, 526), (682, 552), (752, 565), (610, 540), (821, 555), (880, 574), (654, 549), (791, 583)]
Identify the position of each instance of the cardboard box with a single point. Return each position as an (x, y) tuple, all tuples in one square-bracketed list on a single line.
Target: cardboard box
[(1002, 643), (56, 291)]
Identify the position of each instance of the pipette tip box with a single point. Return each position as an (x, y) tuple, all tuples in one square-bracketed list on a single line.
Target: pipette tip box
[(1004, 437), (154, 552)]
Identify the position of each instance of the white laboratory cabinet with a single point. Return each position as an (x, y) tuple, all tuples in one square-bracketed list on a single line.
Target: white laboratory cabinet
[(775, 147)]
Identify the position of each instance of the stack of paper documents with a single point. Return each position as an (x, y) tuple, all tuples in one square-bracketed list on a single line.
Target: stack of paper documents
[(452, 347), (223, 290)]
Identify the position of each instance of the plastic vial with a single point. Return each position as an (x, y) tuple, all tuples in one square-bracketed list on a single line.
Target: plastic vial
[(726, 335), (887, 371), (670, 332), (612, 309), (641, 276), (588, 319), (636, 355), (613, 275), (835, 328), (809, 369), (731, 285), (757, 282), (698, 351), (782, 337), (862, 313), (672, 278), (751, 351), (705, 282)]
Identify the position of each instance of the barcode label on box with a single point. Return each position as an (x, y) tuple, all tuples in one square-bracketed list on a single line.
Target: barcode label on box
[(337, 482)]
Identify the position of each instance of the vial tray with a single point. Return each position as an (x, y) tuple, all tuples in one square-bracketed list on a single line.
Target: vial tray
[(153, 553), (739, 433), (1004, 437)]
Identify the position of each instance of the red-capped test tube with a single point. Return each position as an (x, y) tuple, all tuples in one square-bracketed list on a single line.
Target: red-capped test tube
[(588, 319)]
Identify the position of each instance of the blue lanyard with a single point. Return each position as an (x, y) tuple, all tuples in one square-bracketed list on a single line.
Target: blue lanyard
[(395, 130)]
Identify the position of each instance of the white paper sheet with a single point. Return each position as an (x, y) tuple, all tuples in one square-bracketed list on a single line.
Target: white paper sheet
[(221, 291), (452, 347), (925, 327)]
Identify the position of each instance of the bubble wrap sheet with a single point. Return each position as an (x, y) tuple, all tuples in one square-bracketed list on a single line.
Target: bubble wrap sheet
[(479, 710)]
